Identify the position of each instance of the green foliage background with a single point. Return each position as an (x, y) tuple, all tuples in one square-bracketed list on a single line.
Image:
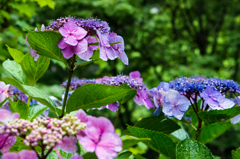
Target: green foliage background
[(163, 40)]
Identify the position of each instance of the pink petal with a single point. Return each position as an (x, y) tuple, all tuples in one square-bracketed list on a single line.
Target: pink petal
[(71, 40), (110, 53), (135, 74), (81, 47), (71, 26), (68, 52), (82, 116), (6, 142), (62, 44), (15, 116), (69, 144), (5, 115), (64, 31), (93, 132), (103, 54), (10, 155), (104, 124), (80, 33), (76, 156), (86, 55), (87, 144), (104, 39), (42, 27), (113, 106), (27, 154)]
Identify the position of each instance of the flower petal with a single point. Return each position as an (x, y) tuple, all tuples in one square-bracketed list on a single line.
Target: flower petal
[(64, 31), (10, 155), (76, 156), (87, 143), (80, 33), (177, 113), (135, 74), (71, 26), (71, 40), (62, 44), (69, 144), (82, 116), (26, 154), (81, 47), (68, 52)]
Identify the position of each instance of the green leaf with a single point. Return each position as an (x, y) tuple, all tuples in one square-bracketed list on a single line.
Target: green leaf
[(95, 96), (130, 95), (34, 69), (36, 110), (160, 124), (189, 149), (124, 155), (65, 155), (16, 71), (1, 104), (138, 157), (131, 142), (16, 55), (212, 131), (45, 43), (193, 115), (89, 156), (79, 62), (213, 116), (52, 155), (159, 141), (32, 92), (180, 134), (19, 145), (19, 107), (236, 154), (52, 114)]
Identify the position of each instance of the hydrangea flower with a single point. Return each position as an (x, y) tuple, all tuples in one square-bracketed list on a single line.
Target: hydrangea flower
[(73, 41), (24, 154), (175, 104), (96, 31), (215, 100), (99, 136), (3, 91), (7, 140), (236, 119)]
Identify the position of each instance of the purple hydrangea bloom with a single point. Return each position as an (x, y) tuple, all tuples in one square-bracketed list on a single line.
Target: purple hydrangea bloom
[(3, 91), (73, 41), (236, 119), (24, 154), (175, 104), (99, 136), (215, 100), (88, 54)]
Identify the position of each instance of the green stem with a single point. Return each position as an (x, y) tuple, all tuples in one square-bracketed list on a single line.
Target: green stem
[(68, 85), (199, 128), (28, 102), (118, 112)]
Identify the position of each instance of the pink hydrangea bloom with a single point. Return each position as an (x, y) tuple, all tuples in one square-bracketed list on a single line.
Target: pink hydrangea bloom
[(73, 41), (6, 141), (99, 136), (88, 54), (24, 154), (68, 144), (3, 90)]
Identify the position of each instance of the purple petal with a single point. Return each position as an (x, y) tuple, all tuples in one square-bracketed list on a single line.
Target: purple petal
[(148, 103), (226, 103), (123, 57), (10, 155), (157, 112), (109, 145), (76, 156), (69, 144), (87, 144), (93, 133), (71, 26), (26, 154), (62, 44), (42, 27), (104, 124), (183, 103), (82, 116), (68, 52), (164, 86), (104, 39), (64, 31), (167, 109), (80, 33), (177, 113), (235, 119), (6, 142), (81, 47), (71, 40), (135, 74), (86, 55), (172, 97), (103, 54), (5, 115), (113, 106)]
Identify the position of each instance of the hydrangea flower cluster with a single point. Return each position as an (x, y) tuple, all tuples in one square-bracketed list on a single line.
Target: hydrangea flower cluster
[(83, 36), (187, 91), (44, 132), (133, 80)]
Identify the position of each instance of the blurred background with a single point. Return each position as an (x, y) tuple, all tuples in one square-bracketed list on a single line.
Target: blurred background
[(164, 39)]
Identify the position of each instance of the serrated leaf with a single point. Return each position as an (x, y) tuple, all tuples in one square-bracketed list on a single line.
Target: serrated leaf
[(1, 104), (160, 124), (159, 141), (94, 96), (236, 154), (189, 149), (131, 142), (45, 43), (16, 55), (19, 107), (130, 95), (32, 92), (79, 62), (34, 69), (138, 157), (213, 116), (16, 71), (36, 110), (124, 155), (212, 131)]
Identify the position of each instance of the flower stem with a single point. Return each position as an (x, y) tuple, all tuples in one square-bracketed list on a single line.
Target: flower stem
[(118, 112), (68, 85)]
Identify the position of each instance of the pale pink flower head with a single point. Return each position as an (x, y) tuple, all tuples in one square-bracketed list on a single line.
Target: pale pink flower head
[(3, 91), (99, 136), (24, 154), (73, 41)]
